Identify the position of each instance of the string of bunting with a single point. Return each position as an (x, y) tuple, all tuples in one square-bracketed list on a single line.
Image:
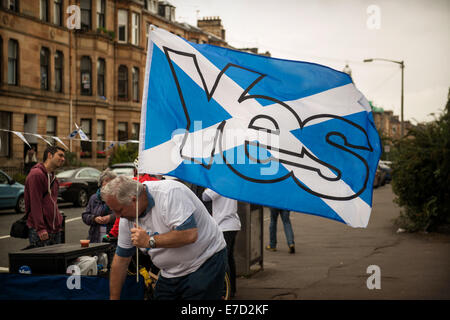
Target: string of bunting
[(72, 136)]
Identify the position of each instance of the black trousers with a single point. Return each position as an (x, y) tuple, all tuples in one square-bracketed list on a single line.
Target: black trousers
[(230, 237)]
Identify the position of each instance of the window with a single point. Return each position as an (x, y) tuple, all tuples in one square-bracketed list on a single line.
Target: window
[(101, 129), (45, 56), (100, 13), (135, 80), (13, 5), (101, 77), (5, 136), (44, 10), (135, 29), (13, 53), (123, 25), (1, 59), (51, 128), (85, 6), (86, 88), (86, 146), (59, 59), (57, 12), (135, 131), (123, 82), (122, 131)]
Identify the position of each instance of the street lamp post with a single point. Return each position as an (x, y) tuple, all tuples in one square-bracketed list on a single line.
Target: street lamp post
[(402, 66)]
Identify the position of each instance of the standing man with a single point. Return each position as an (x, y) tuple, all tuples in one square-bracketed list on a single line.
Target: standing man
[(224, 212), (41, 195), (284, 214), (176, 230)]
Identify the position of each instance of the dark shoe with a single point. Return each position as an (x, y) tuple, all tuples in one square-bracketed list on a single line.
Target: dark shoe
[(292, 249), (269, 248)]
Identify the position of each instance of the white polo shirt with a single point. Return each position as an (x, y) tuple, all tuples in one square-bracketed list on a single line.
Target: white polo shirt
[(224, 211), (174, 204)]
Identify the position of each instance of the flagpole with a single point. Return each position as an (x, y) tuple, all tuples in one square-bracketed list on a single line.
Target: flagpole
[(137, 225)]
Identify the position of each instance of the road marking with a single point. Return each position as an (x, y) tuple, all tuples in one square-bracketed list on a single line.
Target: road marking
[(69, 220)]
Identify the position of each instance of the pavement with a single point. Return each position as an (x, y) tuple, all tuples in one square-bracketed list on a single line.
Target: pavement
[(331, 260)]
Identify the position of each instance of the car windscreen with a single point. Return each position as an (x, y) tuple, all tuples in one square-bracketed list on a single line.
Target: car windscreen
[(65, 174)]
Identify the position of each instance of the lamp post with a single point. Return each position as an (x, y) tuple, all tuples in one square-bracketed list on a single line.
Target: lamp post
[(402, 66)]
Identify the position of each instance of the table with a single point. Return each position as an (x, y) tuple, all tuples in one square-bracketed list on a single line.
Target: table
[(53, 259)]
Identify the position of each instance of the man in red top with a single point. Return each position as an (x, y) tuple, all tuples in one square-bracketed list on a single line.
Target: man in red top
[(41, 195)]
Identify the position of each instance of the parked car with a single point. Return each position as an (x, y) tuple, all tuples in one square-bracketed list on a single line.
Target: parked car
[(380, 178), (11, 193), (126, 168), (386, 167), (77, 185)]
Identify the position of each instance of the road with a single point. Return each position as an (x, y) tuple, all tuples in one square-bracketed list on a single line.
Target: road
[(331, 259), (75, 230)]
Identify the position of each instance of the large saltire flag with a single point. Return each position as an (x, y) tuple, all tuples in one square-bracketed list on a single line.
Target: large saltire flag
[(279, 133)]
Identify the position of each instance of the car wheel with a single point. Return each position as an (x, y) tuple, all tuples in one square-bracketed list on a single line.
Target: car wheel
[(82, 198), (20, 206)]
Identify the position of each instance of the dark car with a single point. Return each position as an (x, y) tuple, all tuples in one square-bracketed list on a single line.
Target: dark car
[(77, 185), (386, 167), (126, 168), (380, 178), (11, 193)]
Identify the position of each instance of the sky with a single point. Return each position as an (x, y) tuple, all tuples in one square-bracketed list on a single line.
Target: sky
[(339, 32)]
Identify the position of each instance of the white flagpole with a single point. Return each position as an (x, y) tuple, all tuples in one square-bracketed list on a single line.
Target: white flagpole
[(137, 223)]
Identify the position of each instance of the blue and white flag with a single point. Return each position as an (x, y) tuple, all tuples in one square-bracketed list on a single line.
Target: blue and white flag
[(285, 134)]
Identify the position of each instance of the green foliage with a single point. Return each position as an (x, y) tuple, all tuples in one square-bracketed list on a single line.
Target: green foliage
[(19, 177), (421, 175), (125, 153), (72, 161)]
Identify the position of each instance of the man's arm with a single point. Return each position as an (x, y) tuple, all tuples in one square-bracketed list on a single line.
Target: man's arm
[(117, 276), (171, 239)]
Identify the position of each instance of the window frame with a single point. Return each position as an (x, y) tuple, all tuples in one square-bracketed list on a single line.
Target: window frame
[(124, 135), (135, 28), (44, 12), (58, 8), (15, 60), (86, 25), (45, 68), (101, 13), (122, 24), (135, 74), (87, 75), (5, 136), (124, 82), (102, 76), (86, 146), (101, 135), (59, 71)]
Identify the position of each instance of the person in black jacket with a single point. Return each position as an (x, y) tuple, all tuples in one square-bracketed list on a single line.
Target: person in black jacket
[(97, 214)]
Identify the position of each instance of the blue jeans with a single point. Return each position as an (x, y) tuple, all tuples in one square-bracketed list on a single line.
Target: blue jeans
[(53, 238), (204, 284), (286, 223)]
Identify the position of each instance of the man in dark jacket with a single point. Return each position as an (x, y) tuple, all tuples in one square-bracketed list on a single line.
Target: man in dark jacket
[(41, 195)]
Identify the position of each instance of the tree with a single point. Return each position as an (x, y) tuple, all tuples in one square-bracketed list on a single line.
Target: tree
[(125, 153), (421, 175)]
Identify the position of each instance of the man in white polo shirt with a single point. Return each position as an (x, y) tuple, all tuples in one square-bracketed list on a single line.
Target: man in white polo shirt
[(176, 230), (224, 211)]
